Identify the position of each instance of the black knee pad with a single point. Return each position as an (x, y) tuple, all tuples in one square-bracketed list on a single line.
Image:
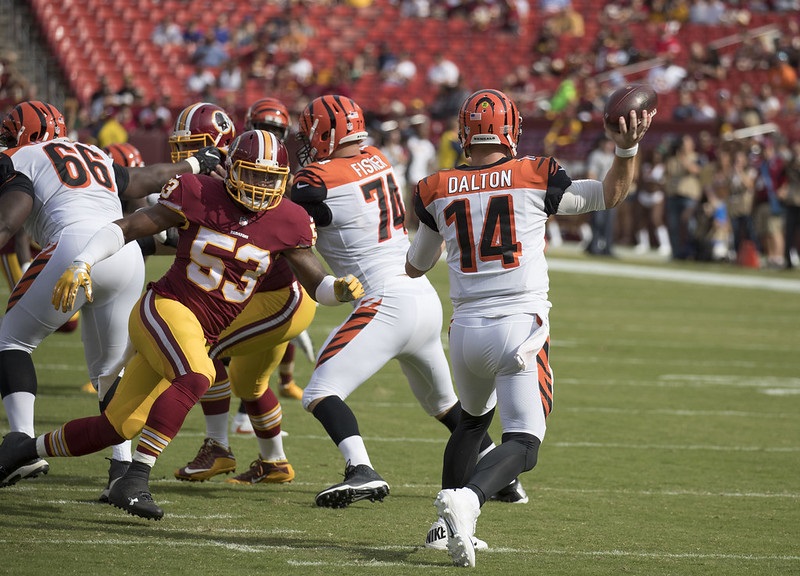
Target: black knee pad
[(17, 373), (531, 444)]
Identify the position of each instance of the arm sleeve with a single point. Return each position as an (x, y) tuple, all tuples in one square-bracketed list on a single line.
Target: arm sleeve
[(122, 177), (424, 216), (582, 196), (425, 249), (310, 192), (105, 243)]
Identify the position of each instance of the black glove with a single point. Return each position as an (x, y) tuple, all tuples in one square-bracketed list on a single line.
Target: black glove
[(208, 158)]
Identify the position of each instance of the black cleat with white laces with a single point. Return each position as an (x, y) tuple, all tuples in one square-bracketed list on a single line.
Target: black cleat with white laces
[(18, 459), (360, 483), (132, 493)]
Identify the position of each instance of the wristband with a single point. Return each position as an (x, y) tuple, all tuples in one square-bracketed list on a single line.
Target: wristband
[(324, 294), (194, 163), (626, 152)]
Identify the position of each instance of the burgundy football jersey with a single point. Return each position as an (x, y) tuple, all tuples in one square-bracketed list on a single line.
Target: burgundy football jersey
[(224, 249)]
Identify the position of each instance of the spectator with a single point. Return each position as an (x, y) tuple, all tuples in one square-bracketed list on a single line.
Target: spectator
[(443, 71), (683, 188), (401, 73), (668, 75), (221, 29), (200, 81), (210, 53), (602, 221), (590, 101), (741, 192), (167, 33), (300, 69), (449, 151), (767, 207), (111, 130), (685, 109), (100, 100), (790, 196), (128, 94), (192, 35), (230, 77), (422, 159), (650, 204)]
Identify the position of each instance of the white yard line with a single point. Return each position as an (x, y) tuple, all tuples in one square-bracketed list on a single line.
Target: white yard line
[(674, 275)]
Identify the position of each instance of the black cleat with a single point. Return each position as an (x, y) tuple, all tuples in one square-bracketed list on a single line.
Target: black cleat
[(132, 494), (360, 483), (514, 493), (16, 462), (116, 470)]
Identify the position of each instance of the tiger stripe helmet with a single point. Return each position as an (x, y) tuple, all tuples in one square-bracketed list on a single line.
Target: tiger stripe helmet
[(125, 154), (258, 170), (32, 121), (197, 126), (268, 114), (327, 123), (489, 117)]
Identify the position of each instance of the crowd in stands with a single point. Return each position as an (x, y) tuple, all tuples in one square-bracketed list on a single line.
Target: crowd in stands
[(724, 87)]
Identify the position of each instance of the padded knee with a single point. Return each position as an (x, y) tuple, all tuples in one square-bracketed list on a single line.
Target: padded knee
[(530, 443)]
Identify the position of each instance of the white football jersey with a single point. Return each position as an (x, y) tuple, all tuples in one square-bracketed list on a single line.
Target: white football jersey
[(367, 235), (493, 222), (73, 183)]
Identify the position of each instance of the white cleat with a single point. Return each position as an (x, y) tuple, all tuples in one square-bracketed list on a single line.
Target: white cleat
[(437, 537), (459, 508)]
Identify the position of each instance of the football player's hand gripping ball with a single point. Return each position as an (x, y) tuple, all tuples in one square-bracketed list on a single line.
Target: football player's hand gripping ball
[(348, 288), (75, 276)]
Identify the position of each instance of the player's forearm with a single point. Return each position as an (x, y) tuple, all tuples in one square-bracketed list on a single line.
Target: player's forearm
[(618, 180), (105, 243)]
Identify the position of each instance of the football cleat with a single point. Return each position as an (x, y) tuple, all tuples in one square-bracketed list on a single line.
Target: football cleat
[(116, 470), (212, 459), (241, 425), (306, 345), (15, 462), (514, 493), (291, 390), (360, 483), (270, 472), (437, 537), (132, 494), (459, 509)]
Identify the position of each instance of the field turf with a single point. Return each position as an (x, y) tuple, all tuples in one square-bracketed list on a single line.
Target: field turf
[(673, 449)]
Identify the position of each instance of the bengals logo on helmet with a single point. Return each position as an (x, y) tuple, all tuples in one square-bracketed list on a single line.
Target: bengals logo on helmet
[(489, 117), (327, 123), (32, 121)]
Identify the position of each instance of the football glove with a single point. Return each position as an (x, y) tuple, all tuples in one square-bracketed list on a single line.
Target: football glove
[(77, 275), (208, 158), (348, 288)]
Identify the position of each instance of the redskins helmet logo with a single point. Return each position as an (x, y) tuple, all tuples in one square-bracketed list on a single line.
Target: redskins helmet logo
[(221, 122)]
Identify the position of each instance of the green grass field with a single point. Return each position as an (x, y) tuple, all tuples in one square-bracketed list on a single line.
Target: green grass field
[(673, 449)]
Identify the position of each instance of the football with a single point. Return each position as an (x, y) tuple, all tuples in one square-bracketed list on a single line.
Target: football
[(637, 97)]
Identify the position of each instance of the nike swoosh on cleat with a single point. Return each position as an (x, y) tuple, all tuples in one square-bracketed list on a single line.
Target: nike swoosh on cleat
[(195, 470)]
